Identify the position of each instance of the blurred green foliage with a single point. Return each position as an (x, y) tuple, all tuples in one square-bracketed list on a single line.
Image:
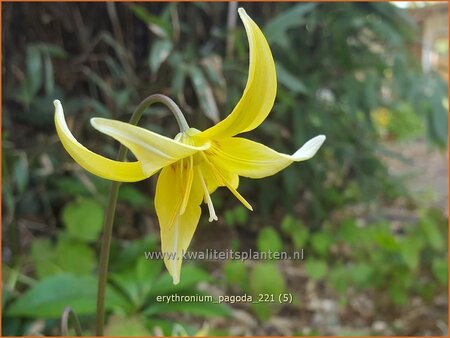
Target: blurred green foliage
[(344, 70)]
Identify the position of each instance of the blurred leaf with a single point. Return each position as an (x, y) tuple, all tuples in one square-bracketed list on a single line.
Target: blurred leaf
[(321, 242), (287, 224), (102, 84), (204, 94), (130, 194), (429, 225), (269, 240), (398, 294), (83, 219), (126, 255), (361, 274), (158, 25), (349, 232), (69, 186), (119, 325), (276, 30), (51, 49), (439, 118), (190, 276), (410, 253), (49, 297), (315, 268), (49, 79), (240, 214), (43, 255), (236, 273), (260, 284), (34, 69), (21, 172), (290, 81), (159, 53), (138, 280), (339, 278), (73, 256), (440, 270), (213, 68), (384, 237)]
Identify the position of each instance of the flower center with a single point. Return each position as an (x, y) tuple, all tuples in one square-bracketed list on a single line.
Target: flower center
[(187, 137)]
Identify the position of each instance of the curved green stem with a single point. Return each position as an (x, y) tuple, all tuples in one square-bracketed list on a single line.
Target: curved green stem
[(159, 98), (112, 202), (68, 314)]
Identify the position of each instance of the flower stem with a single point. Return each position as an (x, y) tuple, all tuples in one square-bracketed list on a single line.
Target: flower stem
[(112, 202)]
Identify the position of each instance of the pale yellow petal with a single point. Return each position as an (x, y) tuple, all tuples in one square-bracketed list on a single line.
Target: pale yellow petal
[(259, 93), (154, 151), (252, 159), (92, 162), (176, 230)]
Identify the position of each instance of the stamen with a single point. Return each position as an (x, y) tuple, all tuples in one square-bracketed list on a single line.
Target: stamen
[(190, 178), (212, 212), (221, 179)]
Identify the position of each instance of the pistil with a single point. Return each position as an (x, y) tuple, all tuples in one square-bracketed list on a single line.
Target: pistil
[(212, 212)]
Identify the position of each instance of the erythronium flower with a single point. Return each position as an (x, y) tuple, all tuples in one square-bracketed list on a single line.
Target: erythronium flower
[(195, 163)]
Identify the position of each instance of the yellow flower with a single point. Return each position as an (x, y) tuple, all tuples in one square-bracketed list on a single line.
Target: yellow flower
[(195, 163)]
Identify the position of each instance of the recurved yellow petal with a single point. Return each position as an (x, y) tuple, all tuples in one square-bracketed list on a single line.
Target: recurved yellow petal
[(255, 160), (176, 230), (92, 162), (153, 151), (260, 91)]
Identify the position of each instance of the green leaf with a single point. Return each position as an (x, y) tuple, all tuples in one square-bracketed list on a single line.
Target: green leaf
[(70, 186), (360, 273), (290, 81), (158, 25), (21, 172), (321, 242), (276, 30), (339, 278), (159, 53), (130, 194), (34, 69), (266, 278), (288, 224), (398, 294), (315, 268), (191, 275), (212, 65), (430, 226), (240, 214), (236, 273), (409, 251), (440, 270), (74, 256), (383, 236), (49, 297), (300, 237), (269, 240), (204, 94), (125, 256), (137, 281), (43, 255), (49, 79), (83, 219), (133, 326)]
